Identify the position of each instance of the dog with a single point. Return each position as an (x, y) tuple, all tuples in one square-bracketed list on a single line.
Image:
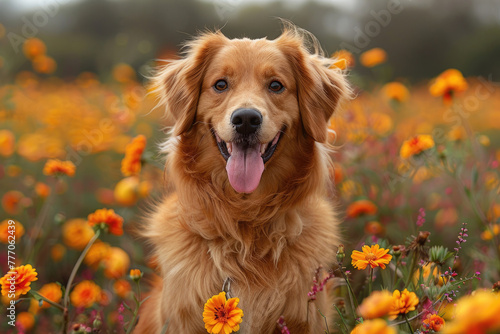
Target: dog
[(247, 199)]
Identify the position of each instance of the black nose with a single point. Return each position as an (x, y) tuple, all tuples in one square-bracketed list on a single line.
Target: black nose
[(246, 121)]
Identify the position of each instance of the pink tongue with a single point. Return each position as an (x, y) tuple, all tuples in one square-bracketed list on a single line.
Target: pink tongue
[(244, 168)]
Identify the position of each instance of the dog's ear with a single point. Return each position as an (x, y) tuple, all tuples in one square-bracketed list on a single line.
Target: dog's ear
[(320, 86), (179, 82)]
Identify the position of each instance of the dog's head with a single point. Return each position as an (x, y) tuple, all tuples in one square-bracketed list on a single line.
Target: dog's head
[(251, 96)]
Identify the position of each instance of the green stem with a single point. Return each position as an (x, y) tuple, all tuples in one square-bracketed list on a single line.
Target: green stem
[(412, 269), (59, 306), (370, 282), (72, 277), (395, 275), (352, 297), (136, 311), (409, 326)]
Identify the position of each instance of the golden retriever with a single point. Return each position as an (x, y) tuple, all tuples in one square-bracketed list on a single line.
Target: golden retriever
[(247, 197)]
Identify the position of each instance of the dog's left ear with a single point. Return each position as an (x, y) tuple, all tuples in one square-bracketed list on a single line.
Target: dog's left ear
[(319, 87), (178, 83)]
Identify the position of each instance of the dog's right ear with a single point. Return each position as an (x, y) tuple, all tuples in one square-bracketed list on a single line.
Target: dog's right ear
[(179, 82)]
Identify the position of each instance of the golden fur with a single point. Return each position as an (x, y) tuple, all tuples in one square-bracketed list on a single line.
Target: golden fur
[(269, 242)]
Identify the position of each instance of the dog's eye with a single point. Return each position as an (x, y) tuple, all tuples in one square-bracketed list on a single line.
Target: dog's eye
[(276, 87), (220, 85)]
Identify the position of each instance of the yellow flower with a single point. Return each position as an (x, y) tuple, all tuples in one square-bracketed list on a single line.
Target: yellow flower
[(7, 141), (456, 133), (426, 271), (377, 305), (96, 254), (381, 123), (123, 73), (373, 57), (361, 207), (433, 322), (377, 326), (131, 163), (115, 263), (403, 302), (85, 294), (477, 313), (221, 315), (18, 280), (416, 145), (26, 321), (489, 234), (127, 191), (344, 59), (51, 291), (371, 255), (135, 274), (58, 167), (447, 84), (77, 233), (107, 218), (15, 231), (122, 288), (396, 91)]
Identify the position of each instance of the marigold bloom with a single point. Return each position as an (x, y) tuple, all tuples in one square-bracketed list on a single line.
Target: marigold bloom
[(426, 271), (371, 255), (396, 91), (476, 314), (403, 302), (344, 59), (44, 64), (116, 263), (16, 230), (51, 291), (107, 218), (361, 207), (25, 321), (21, 277), (57, 252), (221, 315), (42, 189), (457, 133), (135, 274), (127, 191), (122, 288), (97, 252), (416, 145), (131, 163), (374, 228), (33, 47), (77, 233), (11, 201), (447, 84), (373, 57), (85, 294), (376, 326), (377, 305), (433, 322), (485, 235), (58, 167), (7, 142)]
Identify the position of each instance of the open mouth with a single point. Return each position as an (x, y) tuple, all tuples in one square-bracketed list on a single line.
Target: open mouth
[(245, 159), (266, 150)]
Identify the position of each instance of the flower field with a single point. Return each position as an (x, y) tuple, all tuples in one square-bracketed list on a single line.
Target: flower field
[(416, 172)]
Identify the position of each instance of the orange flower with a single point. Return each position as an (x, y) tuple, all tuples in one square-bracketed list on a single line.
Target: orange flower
[(96, 254), (44, 64), (77, 233), (221, 315), (131, 163), (25, 320), (344, 59), (377, 305), (361, 207), (373, 57), (123, 73), (51, 291), (374, 228), (7, 142), (11, 201), (396, 91), (485, 235), (21, 277), (403, 302), (85, 294), (416, 145), (33, 47), (108, 219), (371, 255), (116, 263), (10, 228), (433, 322), (42, 189), (135, 274), (122, 288), (57, 252), (377, 326), (447, 84), (127, 191), (58, 167)]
